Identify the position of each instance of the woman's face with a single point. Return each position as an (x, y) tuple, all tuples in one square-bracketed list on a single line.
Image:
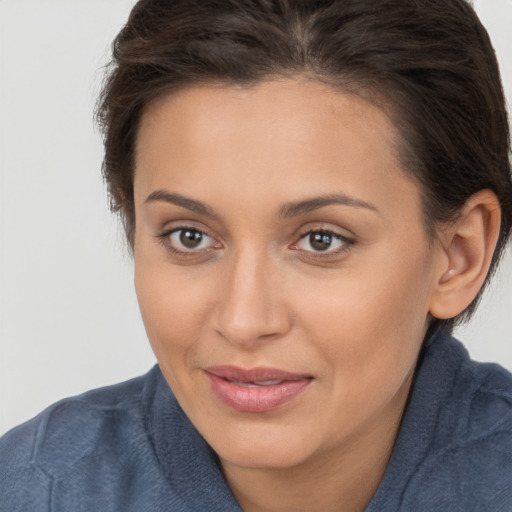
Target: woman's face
[(281, 266)]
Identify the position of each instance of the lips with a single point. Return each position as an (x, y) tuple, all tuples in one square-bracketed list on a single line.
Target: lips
[(257, 389)]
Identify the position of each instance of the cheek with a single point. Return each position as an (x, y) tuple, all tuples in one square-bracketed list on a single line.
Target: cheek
[(174, 308), (368, 324)]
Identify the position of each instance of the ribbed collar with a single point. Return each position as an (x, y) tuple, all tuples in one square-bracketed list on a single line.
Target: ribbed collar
[(193, 471), (437, 370), (190, 465)]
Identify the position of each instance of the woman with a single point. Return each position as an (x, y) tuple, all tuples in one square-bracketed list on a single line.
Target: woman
[(315, 193)]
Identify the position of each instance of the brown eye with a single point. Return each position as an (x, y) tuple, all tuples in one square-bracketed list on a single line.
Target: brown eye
[(323, 241), (190, 238), (320, 241)]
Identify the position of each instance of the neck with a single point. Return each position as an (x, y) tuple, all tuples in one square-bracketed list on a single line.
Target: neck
[(341, 480)]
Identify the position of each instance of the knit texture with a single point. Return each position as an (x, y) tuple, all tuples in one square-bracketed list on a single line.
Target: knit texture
[(130, 448)]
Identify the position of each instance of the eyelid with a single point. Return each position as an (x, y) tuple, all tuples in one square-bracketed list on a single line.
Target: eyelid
[(347, 243), (165, 234)]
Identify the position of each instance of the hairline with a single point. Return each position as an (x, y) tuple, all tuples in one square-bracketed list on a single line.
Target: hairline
[(360, 88)]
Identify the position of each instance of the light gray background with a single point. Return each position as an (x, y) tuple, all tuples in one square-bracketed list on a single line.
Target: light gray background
[(68, 313)]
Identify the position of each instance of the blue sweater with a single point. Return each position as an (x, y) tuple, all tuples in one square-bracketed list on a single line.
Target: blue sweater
[(130, 447)]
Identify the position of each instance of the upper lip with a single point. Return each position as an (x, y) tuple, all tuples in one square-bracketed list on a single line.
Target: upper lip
[(259, 374)]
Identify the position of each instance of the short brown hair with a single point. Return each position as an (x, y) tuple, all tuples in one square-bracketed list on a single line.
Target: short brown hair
[(431, 61)]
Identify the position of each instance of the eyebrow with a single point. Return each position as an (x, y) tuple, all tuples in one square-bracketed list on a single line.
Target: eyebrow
[(288, 210), (185, 202), (315, 203)]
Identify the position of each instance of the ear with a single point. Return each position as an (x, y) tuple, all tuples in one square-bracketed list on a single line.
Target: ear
[(466, 250)]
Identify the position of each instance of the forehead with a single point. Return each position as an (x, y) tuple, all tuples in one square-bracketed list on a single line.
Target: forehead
[(289, 136), (287, 103)]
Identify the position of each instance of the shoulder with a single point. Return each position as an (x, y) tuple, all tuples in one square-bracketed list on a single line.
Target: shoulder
[(66, 436), (70, 428), (477, 402), (469, 462), (489, 403), (128, 447)]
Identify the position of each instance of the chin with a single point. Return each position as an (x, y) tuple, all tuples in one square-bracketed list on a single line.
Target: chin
[(266, 450), (267, 461)]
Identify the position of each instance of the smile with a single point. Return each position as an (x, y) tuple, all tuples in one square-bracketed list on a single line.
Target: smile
[(256, 390)]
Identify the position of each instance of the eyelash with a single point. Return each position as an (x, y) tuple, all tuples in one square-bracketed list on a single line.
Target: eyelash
[(165, 238), (346, 243)]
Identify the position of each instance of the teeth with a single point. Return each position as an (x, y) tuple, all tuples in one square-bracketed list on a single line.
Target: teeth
[(257, 384), (268, 382)]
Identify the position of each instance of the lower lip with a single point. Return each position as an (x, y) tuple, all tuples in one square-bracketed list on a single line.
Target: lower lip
[(256, 399)]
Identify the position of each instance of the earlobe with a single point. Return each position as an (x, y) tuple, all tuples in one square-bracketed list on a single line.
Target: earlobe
[(467, 246)]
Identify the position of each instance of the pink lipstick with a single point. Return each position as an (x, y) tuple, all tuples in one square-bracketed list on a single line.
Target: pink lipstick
[(255, 390)]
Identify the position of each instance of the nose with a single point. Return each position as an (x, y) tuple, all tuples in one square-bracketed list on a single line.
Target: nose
[(251, 310)]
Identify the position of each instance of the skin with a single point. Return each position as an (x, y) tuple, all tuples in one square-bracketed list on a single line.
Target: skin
[(257, 294)]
